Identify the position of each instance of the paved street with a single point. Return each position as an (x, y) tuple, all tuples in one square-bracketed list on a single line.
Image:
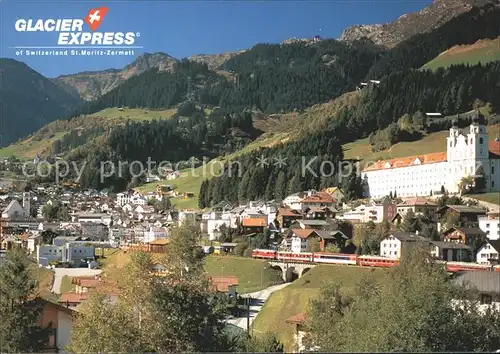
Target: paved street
[(59, 273), (258, 300)]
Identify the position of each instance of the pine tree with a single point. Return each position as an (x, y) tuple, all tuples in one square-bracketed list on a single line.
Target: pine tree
[(280, 188), (410, 222), (20, 312), (245, 181), (202, 199)]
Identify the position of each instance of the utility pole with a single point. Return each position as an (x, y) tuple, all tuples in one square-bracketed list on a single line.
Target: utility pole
[(248, 315)]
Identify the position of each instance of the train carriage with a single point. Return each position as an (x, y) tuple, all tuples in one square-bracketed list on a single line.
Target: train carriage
[(334, 258), (265, 254), (295, 257), (377, 261), (454, 267)]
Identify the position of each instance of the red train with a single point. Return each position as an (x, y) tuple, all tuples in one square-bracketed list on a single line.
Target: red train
[(362, 261)]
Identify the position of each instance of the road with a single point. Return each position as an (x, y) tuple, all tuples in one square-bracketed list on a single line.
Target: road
[(59, 273), (258, 300)]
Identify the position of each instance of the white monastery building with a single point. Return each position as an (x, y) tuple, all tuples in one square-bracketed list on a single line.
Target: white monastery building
[(467, 154)]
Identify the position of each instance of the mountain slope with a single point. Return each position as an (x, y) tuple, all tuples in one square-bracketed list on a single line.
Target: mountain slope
[(483, 51), (214, 61), (90, 85), (408, 25), (28, 100)]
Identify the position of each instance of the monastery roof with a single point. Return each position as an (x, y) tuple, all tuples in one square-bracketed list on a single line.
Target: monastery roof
[(407, 161), (493, 147)]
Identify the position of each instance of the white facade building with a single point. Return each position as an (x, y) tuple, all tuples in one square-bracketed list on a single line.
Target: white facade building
[(155, 233), (98, 218), (390, 247), (488, 252), (490, 224), (213, 227), (187, 218), (69, 252), (467, 154)]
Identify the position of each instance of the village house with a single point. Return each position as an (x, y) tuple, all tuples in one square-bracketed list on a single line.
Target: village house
[(449, 251), (85, 284), (486, 284), (466, 235), (335, 192), (376, 212), (74, 253), (155, 233), (488, 253), (60, 320), (214, 226), (286, 216), (299, 239), (99, 218), (393, 245), (466, 215), (253, 225), (490, 224), (419, 206), (72, 300), (320, 213)]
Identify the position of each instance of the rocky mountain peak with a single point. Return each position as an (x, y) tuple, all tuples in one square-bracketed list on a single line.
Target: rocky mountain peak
[(408, 25)]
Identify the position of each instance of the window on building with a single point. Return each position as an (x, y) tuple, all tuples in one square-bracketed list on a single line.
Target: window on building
[(480, 140), (485, 299), (492, 170)]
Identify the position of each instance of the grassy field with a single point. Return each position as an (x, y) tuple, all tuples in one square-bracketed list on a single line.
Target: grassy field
[(137, 114), (295, 298), (253, 274), (493, 198), (483, 51), (27, 149), (66, 285)]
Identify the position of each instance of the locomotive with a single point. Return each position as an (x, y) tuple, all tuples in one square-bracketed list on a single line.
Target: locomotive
[(361, 261)]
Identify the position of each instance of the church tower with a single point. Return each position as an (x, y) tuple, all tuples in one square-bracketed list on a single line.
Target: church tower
[(477, 139), (451, 141), (27, 204)]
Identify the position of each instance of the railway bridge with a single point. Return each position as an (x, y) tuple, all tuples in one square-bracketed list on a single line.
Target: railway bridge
[(291, 270)]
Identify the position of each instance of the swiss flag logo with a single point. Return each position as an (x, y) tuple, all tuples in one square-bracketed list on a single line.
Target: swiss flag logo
[(95, 16)]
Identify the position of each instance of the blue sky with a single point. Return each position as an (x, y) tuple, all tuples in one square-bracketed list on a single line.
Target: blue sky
[(183, 28)]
